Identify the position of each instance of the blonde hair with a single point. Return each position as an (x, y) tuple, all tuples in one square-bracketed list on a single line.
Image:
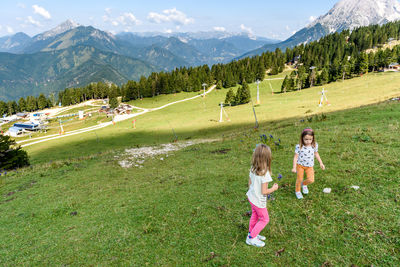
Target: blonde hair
[(261, 161)]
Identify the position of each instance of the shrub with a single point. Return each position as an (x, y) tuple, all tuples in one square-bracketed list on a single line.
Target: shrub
[(11, 156)]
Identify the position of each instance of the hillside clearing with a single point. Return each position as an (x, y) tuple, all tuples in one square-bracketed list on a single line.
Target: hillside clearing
[(190, 208)]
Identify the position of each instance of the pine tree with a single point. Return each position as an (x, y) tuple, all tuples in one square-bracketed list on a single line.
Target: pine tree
[(238, 96), (22, 104), (219, 85), (3, 108), (113, 101), (11, 156), (246, 95), (230, 97), (363, 63), (324, 76), (42, 101), (285, 84)]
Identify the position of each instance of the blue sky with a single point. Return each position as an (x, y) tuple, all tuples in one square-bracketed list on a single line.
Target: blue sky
[(268, 18)]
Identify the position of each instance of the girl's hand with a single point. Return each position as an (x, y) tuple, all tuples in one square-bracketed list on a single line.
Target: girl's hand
[(294, 170), (322, 166), (275, 187)]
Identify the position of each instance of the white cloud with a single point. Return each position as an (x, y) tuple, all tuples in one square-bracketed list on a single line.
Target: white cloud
[(168, 31), (312, 18), (249, 31), (131, 18), (106, 18), (108, 10), (9, 29), (1, 27), (219, 29), (30, 20), (287, 28), (41, 11), (128, 19), (170, 15), (246, 29), (21, 5)]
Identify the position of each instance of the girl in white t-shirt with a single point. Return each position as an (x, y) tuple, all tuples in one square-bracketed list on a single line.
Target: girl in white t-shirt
[(259, 177), (303, 161)]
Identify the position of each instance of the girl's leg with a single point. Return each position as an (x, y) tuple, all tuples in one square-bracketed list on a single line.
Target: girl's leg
[(310, 176), (300, 176), (262, 222), (253, 218)]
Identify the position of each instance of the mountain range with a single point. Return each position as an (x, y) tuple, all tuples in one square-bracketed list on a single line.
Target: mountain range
[(74, 55), (346, 14)]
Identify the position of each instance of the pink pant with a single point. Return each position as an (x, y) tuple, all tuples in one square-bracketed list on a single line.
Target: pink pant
[(259, 219)]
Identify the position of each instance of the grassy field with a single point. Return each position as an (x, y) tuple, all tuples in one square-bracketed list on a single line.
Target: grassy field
[(190, 208), (86, 108), (69, 124), (199, 118)]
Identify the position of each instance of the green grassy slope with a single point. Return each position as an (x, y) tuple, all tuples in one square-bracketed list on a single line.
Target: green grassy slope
[(190, 208), (199, 118)]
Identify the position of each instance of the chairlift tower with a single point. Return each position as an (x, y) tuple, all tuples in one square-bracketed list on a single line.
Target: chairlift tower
[(323, 97), (223, 111), (204, 89), (61, 128), (258, 92)]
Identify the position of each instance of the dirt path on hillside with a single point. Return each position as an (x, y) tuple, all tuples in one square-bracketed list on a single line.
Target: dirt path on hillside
[(56, 110)]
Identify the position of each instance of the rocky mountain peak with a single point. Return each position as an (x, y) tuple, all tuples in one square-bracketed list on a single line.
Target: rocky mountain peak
[(350, 14), (63, 27)]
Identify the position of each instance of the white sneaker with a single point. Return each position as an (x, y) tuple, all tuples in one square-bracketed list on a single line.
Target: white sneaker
[(299, 195), (261, 237), (254, 242), (305, 189)]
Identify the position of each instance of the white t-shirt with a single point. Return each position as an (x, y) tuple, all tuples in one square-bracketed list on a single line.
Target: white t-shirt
[(306, 155), (254, 194)]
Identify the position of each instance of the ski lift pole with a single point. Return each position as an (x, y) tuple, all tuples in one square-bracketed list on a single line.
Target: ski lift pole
[(272, 90), (61, 128), (255, 116), (173, 131), (204, 89), (220, 115), (258, 92)]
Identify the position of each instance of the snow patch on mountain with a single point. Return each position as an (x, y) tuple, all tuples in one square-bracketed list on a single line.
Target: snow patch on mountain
[(350, 14)]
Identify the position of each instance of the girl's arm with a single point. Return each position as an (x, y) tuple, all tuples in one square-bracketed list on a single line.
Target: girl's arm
[(266, 191), (296, 156), (320, 161), (249, 181)]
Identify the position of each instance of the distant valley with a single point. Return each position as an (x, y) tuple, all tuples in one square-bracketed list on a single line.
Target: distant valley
[(71, 55)]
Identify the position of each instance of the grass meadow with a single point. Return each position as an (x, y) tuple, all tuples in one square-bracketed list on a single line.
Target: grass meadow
[(76, 206), (198, 118)]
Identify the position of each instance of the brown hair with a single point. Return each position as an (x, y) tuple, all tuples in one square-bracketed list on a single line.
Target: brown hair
[(307, 131), (261, 161)]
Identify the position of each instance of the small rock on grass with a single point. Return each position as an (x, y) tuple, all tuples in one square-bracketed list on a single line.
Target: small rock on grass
[(327, 190)]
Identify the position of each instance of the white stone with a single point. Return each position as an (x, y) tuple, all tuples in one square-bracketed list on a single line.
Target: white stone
[(327, 190)]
